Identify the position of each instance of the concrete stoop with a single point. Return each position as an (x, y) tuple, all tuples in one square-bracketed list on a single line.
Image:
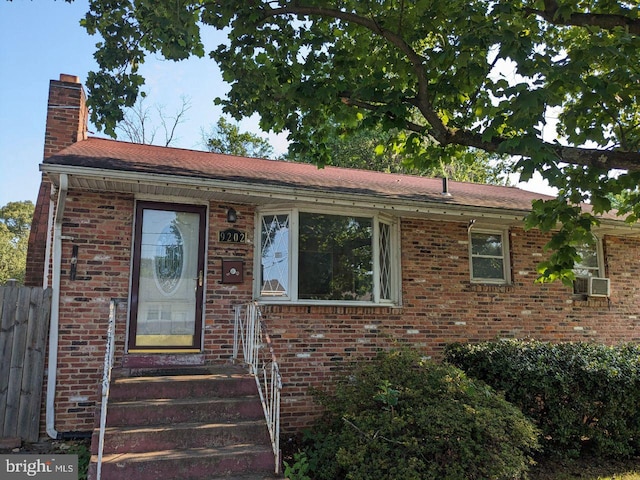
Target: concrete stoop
[(164, 424)]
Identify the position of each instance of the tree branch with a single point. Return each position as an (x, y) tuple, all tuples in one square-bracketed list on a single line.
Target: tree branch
[(607, 21), (423, 103), (605, 159), (372, 107), (169, 132)]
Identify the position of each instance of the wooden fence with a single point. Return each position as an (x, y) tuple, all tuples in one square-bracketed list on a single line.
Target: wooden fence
[(24, 320)]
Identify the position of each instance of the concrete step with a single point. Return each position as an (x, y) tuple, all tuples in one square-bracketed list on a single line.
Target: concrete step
[(181, 436), (166, 411), (244, 461), (181, 386), (158, 371), (184, 424)]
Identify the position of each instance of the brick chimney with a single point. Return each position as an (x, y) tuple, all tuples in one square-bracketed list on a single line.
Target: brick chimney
[(67, 114), (67, 118)]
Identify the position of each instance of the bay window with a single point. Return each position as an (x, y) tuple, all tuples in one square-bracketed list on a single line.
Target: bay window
[(310, 257)]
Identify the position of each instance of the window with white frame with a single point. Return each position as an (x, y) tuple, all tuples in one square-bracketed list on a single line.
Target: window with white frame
[(489, 256), (310, 256), (590, 260), (588, 268)]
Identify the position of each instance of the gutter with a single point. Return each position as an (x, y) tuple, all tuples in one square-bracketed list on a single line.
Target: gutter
[(260, 193), (55, 308)]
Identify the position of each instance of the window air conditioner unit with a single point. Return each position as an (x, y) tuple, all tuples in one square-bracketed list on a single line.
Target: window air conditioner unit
[(599, 287), (592, 286)]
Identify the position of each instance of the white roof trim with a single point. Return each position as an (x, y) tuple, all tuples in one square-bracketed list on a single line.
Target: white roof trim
[(265, 194)]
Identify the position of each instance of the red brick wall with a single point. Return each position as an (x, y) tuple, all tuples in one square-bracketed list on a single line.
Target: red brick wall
[(221, 297), (67, 118), (100, 226), (34, 275), (442, 306), (313, 342)]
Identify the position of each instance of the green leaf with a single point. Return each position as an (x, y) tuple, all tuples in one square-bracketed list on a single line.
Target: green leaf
[(430, 77)]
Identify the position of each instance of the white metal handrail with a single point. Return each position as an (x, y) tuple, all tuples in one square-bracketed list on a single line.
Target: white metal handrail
[(250, 339), (106, 381)]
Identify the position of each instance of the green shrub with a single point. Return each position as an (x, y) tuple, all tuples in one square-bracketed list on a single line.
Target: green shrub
[(585, 397), (399, 417), (299, 469)]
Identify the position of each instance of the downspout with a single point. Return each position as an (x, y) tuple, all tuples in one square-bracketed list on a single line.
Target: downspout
[(55, 307), (47, 251)]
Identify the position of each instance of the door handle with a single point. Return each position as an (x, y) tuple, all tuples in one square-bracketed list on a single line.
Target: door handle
[(199, 280)]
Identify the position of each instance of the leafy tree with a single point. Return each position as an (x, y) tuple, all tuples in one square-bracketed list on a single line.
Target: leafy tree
[(227, 138), (365, 149), (462, 74), (15, 225)]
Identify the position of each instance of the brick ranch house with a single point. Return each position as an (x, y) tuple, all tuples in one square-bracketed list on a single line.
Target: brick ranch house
[(342, 263)]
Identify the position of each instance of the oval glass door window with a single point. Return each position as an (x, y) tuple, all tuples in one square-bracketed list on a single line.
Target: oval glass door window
[(169, 259)]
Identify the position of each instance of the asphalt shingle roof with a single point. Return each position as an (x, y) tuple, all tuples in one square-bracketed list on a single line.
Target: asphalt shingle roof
[(129, 157)]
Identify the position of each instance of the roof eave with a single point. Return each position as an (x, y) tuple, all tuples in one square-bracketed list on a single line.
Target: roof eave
[(156, 184)]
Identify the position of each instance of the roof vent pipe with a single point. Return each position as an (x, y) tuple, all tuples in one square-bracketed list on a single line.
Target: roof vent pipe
[(445, 187)]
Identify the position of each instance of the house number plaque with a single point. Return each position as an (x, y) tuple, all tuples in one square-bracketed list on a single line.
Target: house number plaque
[(232, 235)]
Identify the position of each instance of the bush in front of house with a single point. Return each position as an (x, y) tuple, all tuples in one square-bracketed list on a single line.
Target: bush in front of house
[(584, 397), (400, 416)]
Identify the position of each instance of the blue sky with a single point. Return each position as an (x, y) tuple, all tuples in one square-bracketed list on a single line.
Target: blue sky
[(39, 40)]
